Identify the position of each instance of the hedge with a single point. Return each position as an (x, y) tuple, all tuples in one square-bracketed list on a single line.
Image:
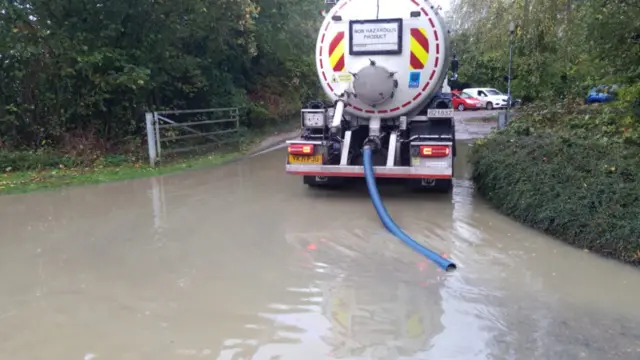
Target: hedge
[(583, 191)]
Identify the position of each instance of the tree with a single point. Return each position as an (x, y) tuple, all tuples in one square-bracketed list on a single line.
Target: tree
[(562, 47), (94, 67)]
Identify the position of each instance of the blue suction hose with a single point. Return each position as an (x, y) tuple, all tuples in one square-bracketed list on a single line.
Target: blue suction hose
[(388, 222)]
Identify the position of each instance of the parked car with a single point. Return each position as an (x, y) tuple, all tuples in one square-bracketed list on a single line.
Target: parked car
[(601, 94), (462, 101), (490, 98)]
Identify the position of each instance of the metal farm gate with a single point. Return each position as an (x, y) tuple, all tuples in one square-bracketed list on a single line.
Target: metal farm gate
[(170, 132)]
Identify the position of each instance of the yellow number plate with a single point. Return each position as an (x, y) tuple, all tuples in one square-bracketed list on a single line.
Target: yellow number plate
[(305, 159)]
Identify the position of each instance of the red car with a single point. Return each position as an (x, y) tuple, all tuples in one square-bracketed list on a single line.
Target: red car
[(463, 101)]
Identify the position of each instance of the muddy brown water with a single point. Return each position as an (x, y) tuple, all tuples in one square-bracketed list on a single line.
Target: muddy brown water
[(244, 262)]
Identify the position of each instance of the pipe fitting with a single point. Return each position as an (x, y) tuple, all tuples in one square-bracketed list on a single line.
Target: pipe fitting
[(373, 142)]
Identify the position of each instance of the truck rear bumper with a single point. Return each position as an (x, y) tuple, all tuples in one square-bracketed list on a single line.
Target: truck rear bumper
[(380, 171)]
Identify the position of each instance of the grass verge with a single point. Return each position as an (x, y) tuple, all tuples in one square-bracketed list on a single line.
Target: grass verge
[(582, 187), (49, 171)]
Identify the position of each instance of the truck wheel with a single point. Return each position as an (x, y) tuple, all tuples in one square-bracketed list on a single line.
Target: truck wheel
[(489, 106), (461, 107), (437, 185), (330, 182), (310, 181), (443, 186)]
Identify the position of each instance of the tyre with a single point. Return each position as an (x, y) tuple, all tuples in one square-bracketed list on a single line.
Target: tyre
[(461, 107), (443, 186), (310, 181), (489, 106), (324, 183)]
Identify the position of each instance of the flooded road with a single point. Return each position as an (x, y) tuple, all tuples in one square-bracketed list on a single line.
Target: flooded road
[(244, 262)]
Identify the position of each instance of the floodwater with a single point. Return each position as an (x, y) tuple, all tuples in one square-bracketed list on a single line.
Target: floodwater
[(245, 262)]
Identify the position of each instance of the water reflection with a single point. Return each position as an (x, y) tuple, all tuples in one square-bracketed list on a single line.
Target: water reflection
[(380, 301)]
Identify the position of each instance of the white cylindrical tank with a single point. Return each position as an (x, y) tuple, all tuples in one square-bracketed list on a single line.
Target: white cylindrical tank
[(384, 58)]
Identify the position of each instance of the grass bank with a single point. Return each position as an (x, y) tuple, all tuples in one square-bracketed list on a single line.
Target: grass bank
[(572, 171), (22, 172)]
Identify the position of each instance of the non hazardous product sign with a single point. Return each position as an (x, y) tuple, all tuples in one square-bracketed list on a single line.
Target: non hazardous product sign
[(378, 37)]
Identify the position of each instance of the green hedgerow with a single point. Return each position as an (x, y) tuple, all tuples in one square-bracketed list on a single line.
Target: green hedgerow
[(582, 191), (28, 160)]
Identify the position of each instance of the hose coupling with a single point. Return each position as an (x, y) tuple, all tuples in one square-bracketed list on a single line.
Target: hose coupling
[(373, 142)]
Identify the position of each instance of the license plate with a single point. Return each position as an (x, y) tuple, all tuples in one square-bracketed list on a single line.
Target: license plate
[(440, 113), (305, 159)]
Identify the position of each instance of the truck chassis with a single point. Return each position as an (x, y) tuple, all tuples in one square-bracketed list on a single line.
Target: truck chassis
[(420, 148)]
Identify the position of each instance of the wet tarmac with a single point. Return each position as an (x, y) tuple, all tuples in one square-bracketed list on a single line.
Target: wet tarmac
[(243, 261)]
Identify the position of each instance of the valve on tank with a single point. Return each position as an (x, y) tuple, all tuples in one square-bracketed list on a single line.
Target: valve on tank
[(374, 84)]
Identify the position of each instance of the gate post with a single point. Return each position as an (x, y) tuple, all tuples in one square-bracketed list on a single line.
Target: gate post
[(502, 119), (151, 138)]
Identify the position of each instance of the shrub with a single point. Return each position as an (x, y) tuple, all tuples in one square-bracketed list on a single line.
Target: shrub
[(618, 121), (583, 191), (28, 160), (12, 161)]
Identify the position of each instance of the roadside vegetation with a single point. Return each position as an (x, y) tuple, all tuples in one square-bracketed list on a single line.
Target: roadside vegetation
[(563, 167), (28, 171), (78, 76)]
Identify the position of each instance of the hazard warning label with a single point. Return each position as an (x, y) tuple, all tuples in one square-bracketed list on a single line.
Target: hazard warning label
[(341, 77)]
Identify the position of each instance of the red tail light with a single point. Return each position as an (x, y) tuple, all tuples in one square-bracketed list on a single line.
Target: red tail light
[(301, 149), (434, 151)]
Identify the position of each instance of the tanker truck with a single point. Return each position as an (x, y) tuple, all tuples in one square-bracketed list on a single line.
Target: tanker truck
[(383, 65)]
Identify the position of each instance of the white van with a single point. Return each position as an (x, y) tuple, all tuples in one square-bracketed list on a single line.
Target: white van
[(490, 98)]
